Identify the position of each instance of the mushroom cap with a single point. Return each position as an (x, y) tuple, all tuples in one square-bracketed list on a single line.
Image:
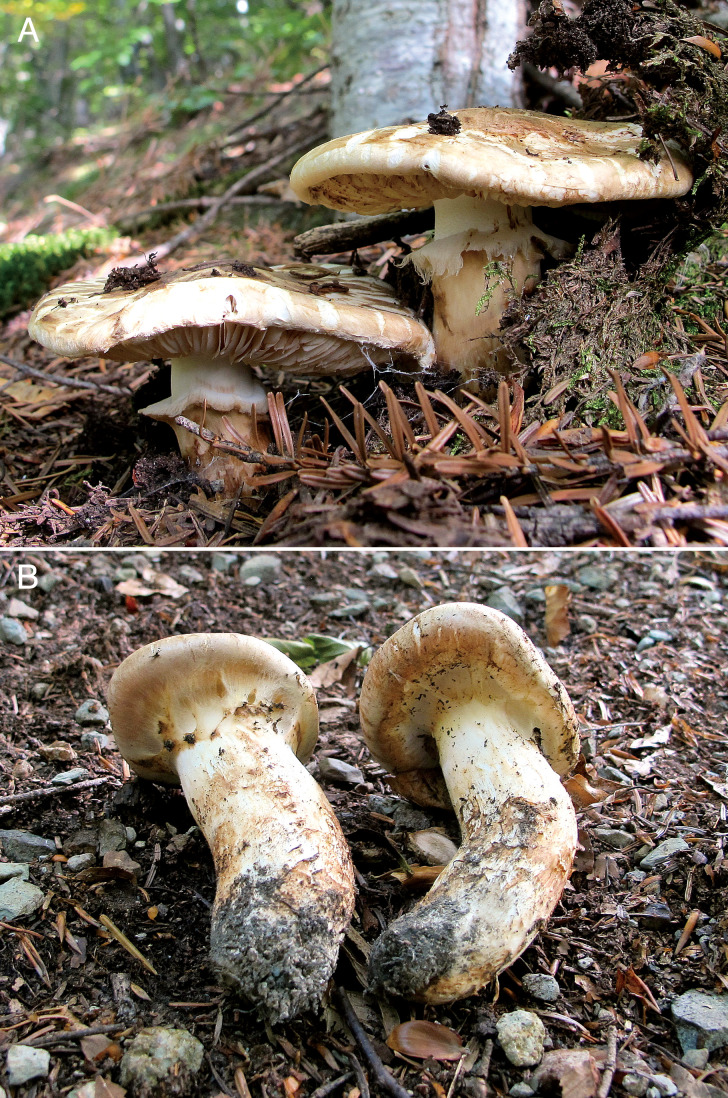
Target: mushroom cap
[(518, 157), (451, 655), (185, 686), (306, 319)]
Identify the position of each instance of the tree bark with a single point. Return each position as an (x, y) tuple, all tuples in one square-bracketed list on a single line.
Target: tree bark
[(395, 61)]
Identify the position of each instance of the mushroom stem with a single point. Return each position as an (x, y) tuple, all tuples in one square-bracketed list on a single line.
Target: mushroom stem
[(282, 891), (205, 390), (470, 234), (518, 841)]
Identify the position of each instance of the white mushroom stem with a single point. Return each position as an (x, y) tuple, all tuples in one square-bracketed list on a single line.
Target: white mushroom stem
[(208, 391), (518, 842), (471, 233), (283, 870)]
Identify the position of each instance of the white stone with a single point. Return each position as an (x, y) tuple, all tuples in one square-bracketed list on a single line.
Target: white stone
[(521, 1035), (25, 1063)]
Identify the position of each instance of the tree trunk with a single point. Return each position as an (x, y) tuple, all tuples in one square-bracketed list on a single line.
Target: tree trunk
[(397, 60)]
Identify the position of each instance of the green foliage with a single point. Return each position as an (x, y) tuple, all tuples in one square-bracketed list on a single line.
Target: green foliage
[(97, 60), (316, 648), (28, 267), (495, 274)]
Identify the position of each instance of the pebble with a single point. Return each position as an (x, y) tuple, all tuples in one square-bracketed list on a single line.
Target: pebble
[(16, 608), (660, 635), (352, 610), (644, 643), (38, 690), (382, 570), (78, 862), (409, 577), (13, 631), (701, 1019), (585, 623), (664, 1085), (598, 578), (656, 917), (24, 846), (431, 846), (324, 600), (91, 712), (223, 562), (337, 771), (521, 1035), (190, 575), (264, 566), (19, 897), (541, 986), (504, 600), (521, 1090), (68, 777), (90, 739), (616, 840), (25, 1063), (154, 1054), (663, 851), (112, 836), (48, 581), (14, 869), (84, 841), (58, 751), (696, 1058), (635, 1084), (614, 775)]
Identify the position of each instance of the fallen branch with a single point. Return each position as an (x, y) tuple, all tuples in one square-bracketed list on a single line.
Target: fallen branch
[(383, 1077), (345, 236), (50, 790), (279, 97), (57, 379), (48, 1039), (128, 222)]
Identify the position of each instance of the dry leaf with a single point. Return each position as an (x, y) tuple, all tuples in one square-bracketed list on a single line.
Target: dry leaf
[(574, 1069), (420, 879), (326, 674), (558, 597), (706, 44), (582, 792), (426, 1041), (647, 361), (584, 857), (432, 846), (140, 992), (106, 1089), (153, 583), (95, 1047)]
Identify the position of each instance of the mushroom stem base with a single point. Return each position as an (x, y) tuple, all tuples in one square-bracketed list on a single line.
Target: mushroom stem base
[(213, 464)]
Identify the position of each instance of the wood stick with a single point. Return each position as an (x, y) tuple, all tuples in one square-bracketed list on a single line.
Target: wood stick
[(345, 236), (50, 790), (384, 1078), (130, 221), (57, 379)]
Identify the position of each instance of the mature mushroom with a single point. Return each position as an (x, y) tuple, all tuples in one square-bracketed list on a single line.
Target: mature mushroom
[(483, 171), (215, 323), (460, 703), (233, 721)]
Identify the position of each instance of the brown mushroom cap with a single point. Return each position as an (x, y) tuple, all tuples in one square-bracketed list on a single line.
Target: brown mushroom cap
[(515, 156), (443, 658), (188, 684), (305, 319)]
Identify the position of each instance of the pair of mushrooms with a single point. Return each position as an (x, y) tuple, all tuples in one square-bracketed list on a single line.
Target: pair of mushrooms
[(482, 168), (458, 706)]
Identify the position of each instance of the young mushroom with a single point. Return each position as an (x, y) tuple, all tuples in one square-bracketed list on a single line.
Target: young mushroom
[(233, 720), (483, 168), (216, 323), (460, 707)]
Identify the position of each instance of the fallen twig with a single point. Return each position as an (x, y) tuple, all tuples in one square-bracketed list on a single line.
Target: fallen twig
[(127, 222), (276, 101), (48, 1039), (346, 235), (383, 1077), (610, 1064), (332, 1086), (50, 790), (57, 379)]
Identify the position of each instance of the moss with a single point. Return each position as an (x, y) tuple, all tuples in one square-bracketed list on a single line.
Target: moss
[(26, 269)]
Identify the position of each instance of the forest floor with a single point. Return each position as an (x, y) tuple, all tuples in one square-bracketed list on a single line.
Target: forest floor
[(450, 467), (643, 658)]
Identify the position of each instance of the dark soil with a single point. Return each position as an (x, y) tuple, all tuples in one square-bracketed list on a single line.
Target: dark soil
[(612, 942)]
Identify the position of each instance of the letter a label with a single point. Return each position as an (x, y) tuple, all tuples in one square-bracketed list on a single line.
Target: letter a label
[(29, 31)]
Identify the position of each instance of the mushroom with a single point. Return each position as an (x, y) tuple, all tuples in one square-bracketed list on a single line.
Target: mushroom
[(483, 168), (233, 720), (462, 709), (216, 323)]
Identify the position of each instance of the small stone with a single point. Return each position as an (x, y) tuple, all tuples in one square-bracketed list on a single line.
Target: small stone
[(68, 777), (701, 1019), (635, 1084), (14, 869), (656, 917), (16, 608), (541, 986), (84, 841), (585, 623), (597, 577), (696, 1058), (58, 751), (263, 565), (89, 740), (663, 851), (112, 836), (409, 577), (222, 562), (190, 575), (22, 769), (91, 712), (38, 690), (521, 1035), (614, 775), (25, 1063), (504, 600), (324, 600), (382, 570), (657, 695), (19, 897), (432, 846), (644, 643), (78, 862), (161, 1060), (615, 840), (24, 846), (48, 581), (521, 1090), (664, 1085), (13, 631), (120, 861), (337, 771), (352, 610), (660, 635)]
